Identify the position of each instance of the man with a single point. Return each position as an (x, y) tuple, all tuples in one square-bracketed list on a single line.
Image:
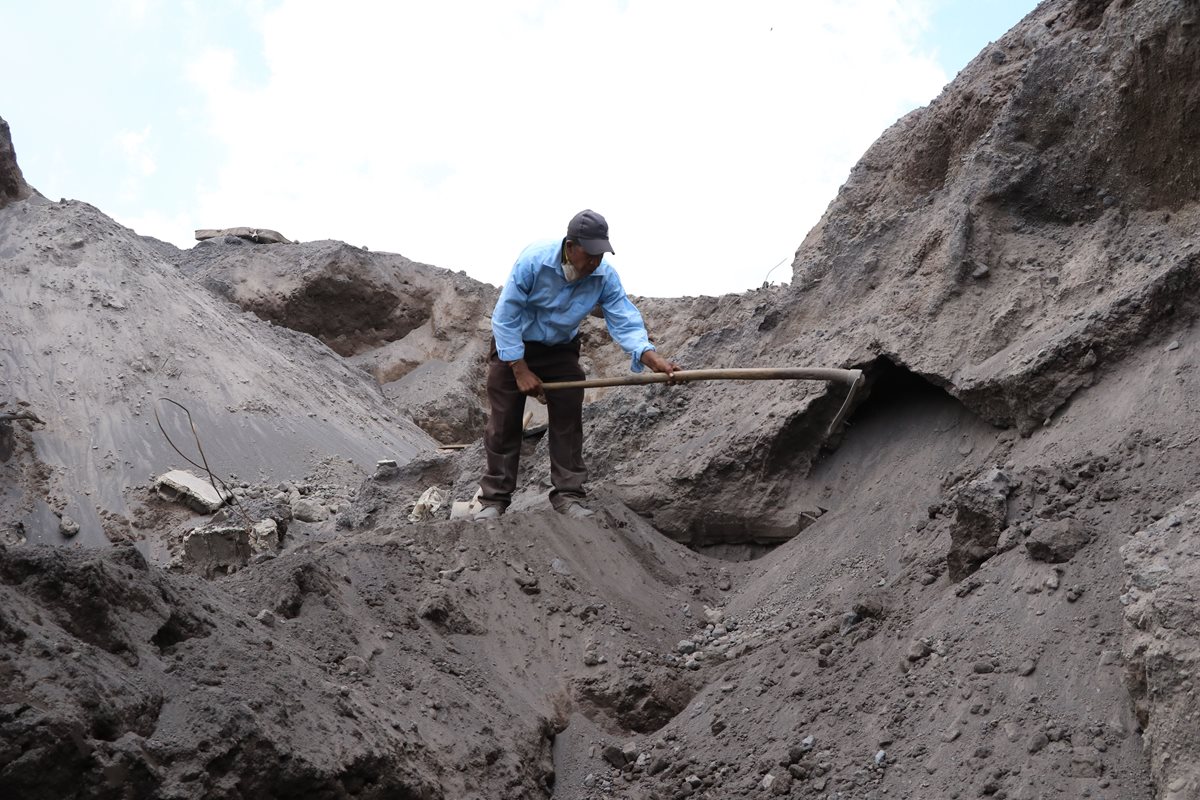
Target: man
[(535, 338)]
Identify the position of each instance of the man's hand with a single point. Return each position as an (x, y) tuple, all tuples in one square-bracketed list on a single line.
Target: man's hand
[(527, 382), (654, 361)]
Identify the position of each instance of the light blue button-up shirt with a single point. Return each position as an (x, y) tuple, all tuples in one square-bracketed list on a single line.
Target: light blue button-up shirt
[(538, 305)]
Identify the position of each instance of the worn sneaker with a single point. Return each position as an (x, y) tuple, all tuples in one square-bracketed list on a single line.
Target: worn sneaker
[(487, 512), (577, 511)]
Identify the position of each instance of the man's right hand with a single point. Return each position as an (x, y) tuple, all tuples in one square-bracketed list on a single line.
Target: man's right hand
[(527, 382)]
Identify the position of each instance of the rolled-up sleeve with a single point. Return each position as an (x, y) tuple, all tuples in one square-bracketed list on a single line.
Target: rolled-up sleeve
[(624, 321), (508, 318)]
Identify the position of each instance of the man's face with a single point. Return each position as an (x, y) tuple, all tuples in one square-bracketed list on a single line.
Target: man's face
[(583, 263)]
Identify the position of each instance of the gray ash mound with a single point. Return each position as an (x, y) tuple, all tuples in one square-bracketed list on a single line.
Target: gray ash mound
[(982, 585)]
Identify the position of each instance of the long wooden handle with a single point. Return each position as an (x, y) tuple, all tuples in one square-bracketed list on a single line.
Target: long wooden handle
[(853, 377), (850, 376)]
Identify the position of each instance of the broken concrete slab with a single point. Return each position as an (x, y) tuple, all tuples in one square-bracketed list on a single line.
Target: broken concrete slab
[(181, 486), (214, 550)]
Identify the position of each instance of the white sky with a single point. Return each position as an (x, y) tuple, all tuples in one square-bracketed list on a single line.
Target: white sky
[(712, 135)]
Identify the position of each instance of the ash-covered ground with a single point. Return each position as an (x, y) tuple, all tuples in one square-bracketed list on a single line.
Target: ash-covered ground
[(983, 584)]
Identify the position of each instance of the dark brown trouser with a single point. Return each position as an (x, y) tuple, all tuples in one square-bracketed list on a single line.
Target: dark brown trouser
[(503, 436)]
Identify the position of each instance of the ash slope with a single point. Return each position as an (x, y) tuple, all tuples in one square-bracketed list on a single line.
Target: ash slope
[(98, 327), (960, 609)]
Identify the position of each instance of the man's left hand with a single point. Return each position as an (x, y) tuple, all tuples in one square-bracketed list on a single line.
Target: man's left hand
[(654, 361)]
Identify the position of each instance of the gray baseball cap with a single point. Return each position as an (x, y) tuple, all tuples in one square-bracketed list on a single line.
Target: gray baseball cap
[(591, 231)]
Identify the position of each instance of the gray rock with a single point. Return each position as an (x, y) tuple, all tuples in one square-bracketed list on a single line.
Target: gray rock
[(308, 510), (613, 755), (385, 470), (264, 537), (1057, 541), (980, 515), (67, 526), (918, 650), (355, 664)]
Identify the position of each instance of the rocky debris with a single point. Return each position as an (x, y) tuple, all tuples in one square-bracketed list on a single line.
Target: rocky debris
[(1058, 541), (256, 235), (1162, 643), (216, 549), (421, 332), (980, 515), (181, 486)]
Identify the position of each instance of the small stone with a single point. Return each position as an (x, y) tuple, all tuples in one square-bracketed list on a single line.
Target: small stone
[(1174, 345), (307, 510), (927, 579), (984, 667), (67, 526), (918, 650), (613, 755), (686, 646), (880, 757), (1027, 667), (266, 617), (950, 734), (1110, 657), (1038, 741), (808, 742), (385, 469), (355, 664)]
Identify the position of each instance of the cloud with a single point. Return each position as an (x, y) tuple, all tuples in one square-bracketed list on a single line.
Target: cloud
[(711, 134), (134, 144)]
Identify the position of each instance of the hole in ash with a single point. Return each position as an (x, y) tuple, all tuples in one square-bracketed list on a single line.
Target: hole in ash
[(803, 476)]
